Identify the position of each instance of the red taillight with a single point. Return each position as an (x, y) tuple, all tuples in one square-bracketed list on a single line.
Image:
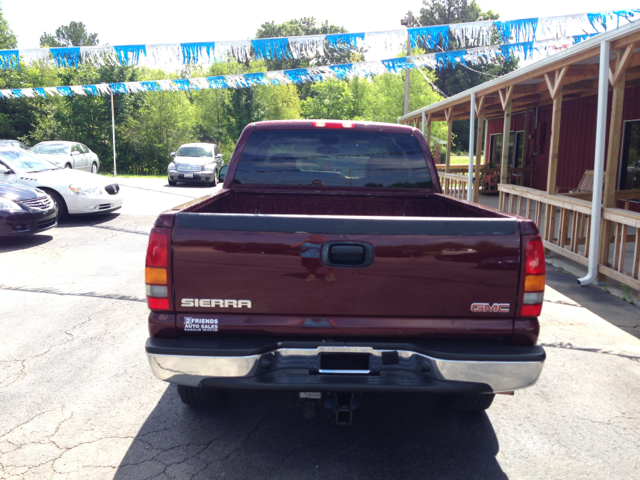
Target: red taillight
[(157, 278), (533, 281), (534, 259), (157, 250), (158, 303)]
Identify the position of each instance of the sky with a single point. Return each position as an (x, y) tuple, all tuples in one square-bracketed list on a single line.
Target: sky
[(122, 22)]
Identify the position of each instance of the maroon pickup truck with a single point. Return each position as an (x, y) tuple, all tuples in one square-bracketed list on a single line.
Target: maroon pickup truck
[(331, 265)]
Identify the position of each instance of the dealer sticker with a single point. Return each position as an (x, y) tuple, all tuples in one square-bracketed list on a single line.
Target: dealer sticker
[(193, 324)]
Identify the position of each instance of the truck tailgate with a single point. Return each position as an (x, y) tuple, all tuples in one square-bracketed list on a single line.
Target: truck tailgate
[(421, 267)]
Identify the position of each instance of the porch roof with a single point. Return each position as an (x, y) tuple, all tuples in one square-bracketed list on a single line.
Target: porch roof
[(529, 88)]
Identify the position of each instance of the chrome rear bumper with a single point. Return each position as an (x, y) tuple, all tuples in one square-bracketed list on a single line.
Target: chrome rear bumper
[(294, 368)]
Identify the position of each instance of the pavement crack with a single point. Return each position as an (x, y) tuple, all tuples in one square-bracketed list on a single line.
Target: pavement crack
[(54, 291), (570, 346)]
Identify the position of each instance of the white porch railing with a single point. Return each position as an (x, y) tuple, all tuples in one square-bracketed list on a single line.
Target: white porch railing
[(454, 185), (565, 224)]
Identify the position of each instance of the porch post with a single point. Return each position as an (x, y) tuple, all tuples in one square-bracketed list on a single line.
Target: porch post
[(476, 183), (447, 114), (618, 80), (555, 90), (525, 142), (506, 130), (429, 130), (423, 122), (598, 166), (472, 133)]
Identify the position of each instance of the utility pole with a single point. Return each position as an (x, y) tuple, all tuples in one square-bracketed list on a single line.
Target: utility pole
[(406, 21), (113, 129)]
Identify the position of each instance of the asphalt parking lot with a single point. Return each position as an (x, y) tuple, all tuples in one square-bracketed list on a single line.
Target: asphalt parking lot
[(79, 399)]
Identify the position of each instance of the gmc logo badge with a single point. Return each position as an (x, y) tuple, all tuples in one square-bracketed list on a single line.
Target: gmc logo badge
[(493, 308)]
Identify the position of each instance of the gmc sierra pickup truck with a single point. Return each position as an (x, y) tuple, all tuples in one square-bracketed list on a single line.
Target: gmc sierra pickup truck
[(331, 265)]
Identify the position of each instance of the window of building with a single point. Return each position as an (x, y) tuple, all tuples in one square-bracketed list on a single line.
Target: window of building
[(630, 158), (516, 144)]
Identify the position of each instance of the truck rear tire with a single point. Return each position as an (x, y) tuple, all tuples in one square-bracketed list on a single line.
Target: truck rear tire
[(197, 397), (472, 402)]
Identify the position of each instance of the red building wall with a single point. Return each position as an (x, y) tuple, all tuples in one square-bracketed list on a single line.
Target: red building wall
[(577, 137)]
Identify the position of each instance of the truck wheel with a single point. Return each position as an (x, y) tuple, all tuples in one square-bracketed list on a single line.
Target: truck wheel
[(196, 396), (214, 182), (171, 182), (472, 402)]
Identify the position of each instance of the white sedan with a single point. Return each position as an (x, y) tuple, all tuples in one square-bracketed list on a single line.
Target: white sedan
[(68, 155), (73, 191)]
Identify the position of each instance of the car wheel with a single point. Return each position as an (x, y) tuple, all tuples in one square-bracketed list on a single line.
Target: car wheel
[(68, 165), (171, 182), (472, 402), (63, 211), (214, 182), (94, 168), (197, 396)]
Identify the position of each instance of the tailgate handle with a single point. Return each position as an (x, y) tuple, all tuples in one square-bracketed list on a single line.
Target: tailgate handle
[(347, 254)]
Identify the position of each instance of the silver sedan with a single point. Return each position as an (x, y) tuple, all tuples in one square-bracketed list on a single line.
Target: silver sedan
[(68, 155)]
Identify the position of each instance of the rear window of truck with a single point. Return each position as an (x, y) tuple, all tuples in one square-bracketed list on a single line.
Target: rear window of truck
[(333, 158)]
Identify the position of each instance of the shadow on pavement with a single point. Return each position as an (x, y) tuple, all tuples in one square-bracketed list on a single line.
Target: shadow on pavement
[(613, 309), (87, 220), (12, 244), (262, 435)]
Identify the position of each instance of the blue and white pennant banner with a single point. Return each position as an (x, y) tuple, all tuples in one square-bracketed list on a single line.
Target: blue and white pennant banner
[(386, 43), (435, 61)]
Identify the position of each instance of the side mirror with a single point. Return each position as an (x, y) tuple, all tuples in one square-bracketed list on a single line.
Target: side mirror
[(223, 172), (74, 153), (219, 156), (173, 154)]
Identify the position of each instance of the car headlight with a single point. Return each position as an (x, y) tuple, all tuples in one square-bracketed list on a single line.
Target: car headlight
[(172, 166), (210, 167), (8, 205), (85, 191)]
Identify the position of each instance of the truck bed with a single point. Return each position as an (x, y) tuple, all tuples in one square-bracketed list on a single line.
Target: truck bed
[(341, 204)]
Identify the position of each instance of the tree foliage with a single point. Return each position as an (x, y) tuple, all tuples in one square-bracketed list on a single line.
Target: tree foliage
[(151, 125), (73, 35), (455, 80)]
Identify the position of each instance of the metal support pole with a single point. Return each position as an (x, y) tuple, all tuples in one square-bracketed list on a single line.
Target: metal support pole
[(424, 120), (598, 166), (406, 70), (113, 129), (472, 118)]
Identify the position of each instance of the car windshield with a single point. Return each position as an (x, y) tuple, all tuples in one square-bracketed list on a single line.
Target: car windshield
[(52, 149), (332, 158), (23, 161), (195, 151)]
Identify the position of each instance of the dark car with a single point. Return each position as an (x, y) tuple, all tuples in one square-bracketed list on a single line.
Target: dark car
[(13, 143), (25, 210)]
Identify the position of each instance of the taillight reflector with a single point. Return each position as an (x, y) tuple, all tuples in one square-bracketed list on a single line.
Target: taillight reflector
[(157, 250), (156, 276), (158, 303), (531, 310), (534, 283)]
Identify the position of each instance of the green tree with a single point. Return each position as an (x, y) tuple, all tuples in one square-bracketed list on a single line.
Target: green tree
[(331, 99), (387, 97), (7, 38), (455, 80), (73, 35)]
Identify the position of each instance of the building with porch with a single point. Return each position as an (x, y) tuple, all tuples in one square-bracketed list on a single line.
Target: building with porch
[(562, 147)]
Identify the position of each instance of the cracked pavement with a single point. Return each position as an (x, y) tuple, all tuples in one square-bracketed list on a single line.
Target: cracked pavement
[(80, 400)]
